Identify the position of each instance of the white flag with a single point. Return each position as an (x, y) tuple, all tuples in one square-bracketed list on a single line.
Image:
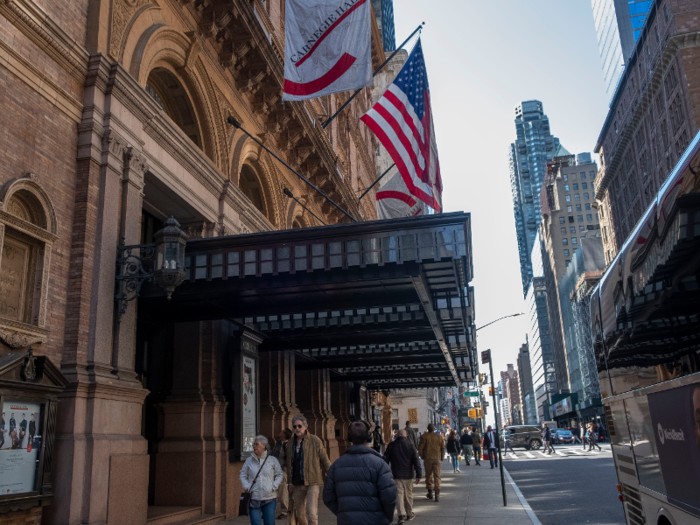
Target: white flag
[(328, 47), (394, 200)]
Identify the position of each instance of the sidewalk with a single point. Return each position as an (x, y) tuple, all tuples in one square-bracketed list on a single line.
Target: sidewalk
[(474, 495)]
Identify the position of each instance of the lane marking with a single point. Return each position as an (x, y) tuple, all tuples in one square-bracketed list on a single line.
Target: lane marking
[(523, 501)]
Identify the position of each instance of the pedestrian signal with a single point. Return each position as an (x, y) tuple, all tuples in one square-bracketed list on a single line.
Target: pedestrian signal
[(472, 413), (479, 413)]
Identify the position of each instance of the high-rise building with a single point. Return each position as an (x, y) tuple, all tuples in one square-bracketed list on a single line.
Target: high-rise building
[(581, 276), (618, 24), (527, 392), (567, 219), (528, 156), (511, 391), (384, 13), (544, 377)]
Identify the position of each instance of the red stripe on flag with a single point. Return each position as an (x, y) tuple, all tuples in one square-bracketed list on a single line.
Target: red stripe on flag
[(396, 157), (391, 97), (388, 194), (328, 32), (405, 140), (338, 70)]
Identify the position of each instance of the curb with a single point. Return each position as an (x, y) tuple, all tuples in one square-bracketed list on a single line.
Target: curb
[(523, 501)]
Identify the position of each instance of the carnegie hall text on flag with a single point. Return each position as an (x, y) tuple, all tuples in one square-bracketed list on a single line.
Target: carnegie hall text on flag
[(403, 123), (328, 47)]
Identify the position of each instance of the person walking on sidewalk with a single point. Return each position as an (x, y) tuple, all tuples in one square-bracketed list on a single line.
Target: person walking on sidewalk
[(491, 443), (377, 439), (547, 439), (593, 438), (261, 475), (454, 449), (280, 452), (403, 458), (506, 442), (411, 435), (432, 450), (467, 445), (359, 487), (306, 464), (476, 438)]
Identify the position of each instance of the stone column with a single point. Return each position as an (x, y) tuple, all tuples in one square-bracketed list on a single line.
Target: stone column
[(191, 463), (313, 399), (100, 458), (341, 398), (277, 392)]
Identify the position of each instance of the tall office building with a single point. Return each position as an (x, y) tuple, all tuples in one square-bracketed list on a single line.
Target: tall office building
[(384, 13), (528, 156), (527, 390), (618, 24)]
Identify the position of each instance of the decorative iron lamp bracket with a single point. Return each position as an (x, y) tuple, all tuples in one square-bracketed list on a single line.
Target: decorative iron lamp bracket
[(168, 256)]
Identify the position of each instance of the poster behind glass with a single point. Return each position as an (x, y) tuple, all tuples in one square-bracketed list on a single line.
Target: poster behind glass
[(20, 442), (249, 401)]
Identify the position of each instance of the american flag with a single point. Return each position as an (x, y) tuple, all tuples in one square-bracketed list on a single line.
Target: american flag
[(403, 123)]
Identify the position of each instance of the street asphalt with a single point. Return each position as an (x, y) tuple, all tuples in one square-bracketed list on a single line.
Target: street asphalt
[(569, 488)]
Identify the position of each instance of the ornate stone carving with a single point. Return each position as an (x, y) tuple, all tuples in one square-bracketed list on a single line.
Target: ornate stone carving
[(19, 335), (122, 12), (28, 371), (135, 161)]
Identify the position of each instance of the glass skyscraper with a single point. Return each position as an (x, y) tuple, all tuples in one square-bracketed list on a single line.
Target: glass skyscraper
[(384, 13), (618, 24), (527, 157)]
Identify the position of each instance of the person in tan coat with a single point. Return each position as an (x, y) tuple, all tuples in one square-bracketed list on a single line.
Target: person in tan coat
[(307, 464), (432, 449)]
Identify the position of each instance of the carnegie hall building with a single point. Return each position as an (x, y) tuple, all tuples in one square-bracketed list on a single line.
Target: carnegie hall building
[(168, 289)]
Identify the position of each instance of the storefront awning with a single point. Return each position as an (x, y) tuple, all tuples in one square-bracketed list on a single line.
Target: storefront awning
[(384, 302)]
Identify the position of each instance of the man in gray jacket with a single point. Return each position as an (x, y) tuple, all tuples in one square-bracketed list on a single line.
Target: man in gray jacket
[(411, 435), (359, 487)]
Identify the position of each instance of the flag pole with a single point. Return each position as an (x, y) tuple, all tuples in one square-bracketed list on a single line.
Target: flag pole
[(291, 196), (237, 125), (376, 181), (341, 108)]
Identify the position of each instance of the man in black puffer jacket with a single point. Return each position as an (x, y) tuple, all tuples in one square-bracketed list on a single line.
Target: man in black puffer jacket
[(359, 487), (404, 460)]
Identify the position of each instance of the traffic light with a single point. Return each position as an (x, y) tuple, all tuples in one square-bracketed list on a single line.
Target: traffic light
[(479, 413), (472, 413), (491, 391), (443, 421)]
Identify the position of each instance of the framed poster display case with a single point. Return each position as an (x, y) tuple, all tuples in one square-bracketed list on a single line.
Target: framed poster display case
[(244, 396), (29, 388)]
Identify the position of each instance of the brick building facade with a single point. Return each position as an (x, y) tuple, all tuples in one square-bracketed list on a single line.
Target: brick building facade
[(112, 119), (653, 117)]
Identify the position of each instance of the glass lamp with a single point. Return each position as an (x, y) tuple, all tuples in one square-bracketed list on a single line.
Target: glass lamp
[(169, 272)]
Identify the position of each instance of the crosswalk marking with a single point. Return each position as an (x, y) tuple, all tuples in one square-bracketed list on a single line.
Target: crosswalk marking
[(512, 455), (529, 455), (561, 452), (545, 455), (577, 452)]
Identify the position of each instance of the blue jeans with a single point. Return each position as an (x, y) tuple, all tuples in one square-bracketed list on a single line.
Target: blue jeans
[(455, 460), (493, 458), (265, 514), (477, 453)]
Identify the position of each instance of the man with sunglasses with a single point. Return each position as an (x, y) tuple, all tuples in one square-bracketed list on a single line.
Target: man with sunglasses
[(307, 463)]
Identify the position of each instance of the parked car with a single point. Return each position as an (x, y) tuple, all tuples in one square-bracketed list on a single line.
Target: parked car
[(562, 436), (527, 436)]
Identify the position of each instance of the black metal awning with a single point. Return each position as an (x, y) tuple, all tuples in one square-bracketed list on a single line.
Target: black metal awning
[(384, 302)]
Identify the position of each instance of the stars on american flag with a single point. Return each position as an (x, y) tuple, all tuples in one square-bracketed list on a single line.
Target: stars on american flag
[(413, 80)]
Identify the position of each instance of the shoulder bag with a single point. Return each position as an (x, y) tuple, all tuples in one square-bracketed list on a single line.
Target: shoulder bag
[(244, 505)]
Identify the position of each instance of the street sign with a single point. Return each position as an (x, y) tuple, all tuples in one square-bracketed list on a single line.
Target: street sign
[(485, 356), (471, 394)]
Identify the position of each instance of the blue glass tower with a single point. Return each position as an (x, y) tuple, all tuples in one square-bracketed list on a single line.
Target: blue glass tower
[(528, 156), (384, 13), (618, 24)]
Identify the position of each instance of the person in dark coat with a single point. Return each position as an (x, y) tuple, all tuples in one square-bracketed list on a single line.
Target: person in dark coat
[(404, 461), (492, 444), (467, 443), (454, 449), (359, 487)]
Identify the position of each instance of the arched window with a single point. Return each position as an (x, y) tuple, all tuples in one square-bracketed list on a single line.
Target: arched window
[(250, 186), (171, 96), (27, 231), (296, 225)]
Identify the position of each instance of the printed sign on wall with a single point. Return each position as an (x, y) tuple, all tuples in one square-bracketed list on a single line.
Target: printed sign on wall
[(20, 441), (249, 402)]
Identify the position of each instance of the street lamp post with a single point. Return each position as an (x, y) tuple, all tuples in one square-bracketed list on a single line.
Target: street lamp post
[(486, 357)]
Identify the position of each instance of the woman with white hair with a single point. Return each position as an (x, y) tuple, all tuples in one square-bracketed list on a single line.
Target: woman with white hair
[(261, 475)]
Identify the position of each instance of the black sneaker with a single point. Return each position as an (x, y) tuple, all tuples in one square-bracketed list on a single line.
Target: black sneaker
[(402, 519)]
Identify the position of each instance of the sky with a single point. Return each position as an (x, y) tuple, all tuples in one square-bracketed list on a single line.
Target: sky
[(483, 58)]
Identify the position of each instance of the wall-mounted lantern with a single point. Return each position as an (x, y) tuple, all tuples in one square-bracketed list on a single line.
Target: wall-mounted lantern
[(165, 258)]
